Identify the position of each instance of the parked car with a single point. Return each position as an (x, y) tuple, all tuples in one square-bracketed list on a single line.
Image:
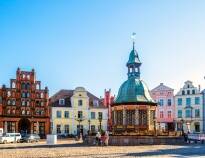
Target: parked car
[(10, 138), (29, 138)]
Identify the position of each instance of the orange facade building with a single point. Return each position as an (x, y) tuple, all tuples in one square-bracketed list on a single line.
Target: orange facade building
[(24, 105)]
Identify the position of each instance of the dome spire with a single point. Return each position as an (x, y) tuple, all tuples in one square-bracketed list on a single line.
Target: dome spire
[(133, 63)]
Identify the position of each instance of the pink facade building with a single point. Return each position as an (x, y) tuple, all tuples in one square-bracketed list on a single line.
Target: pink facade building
[(165, 112)]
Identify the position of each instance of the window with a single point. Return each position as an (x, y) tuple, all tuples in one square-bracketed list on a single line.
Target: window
[(13, 102), (37, 86), (42, 103), (42, 95), (188, 101), (93, 128), (66, 129), (8, 94), (161, 114), (23, 112), (9, 102), (161, 102), (58, 128), (183, 92), (61, 101), (80, 102), (13, 85), (80, 114), (193, 91), (169, 102), (179, 101), (188, 92), (58, 114), (23, 95), (197, 100), (0, 99), (188, 113), (66, 114), (23, 103), (92, 115), (100, 115), (179, 113), (169, 114), (95, 103), (197, 113)]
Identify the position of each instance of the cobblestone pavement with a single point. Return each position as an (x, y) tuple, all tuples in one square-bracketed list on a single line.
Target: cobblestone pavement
[(69, 148)]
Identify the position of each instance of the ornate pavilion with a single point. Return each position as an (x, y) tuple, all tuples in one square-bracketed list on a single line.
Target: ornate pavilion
[(133, 111)]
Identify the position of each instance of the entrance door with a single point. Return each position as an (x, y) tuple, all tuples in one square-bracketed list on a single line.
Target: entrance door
[(24, 126)]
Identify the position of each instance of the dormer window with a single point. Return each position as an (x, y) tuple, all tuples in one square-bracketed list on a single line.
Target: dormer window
[(95, 103), (61, 101), (188, 86)]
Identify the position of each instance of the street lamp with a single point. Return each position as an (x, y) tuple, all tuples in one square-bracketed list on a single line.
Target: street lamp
[(100, 121), (79, 119), (89, 127), (182, 121)]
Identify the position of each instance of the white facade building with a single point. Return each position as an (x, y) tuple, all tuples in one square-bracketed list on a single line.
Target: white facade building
[(75, 111), (189, 109)]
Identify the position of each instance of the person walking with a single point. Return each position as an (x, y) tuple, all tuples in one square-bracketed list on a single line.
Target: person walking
[(106, 138), (98, 138)]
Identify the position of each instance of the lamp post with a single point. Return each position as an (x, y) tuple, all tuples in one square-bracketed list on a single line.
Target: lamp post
[(182, 121), (89, 127), (155, 130), (100, 121), (79, 119)]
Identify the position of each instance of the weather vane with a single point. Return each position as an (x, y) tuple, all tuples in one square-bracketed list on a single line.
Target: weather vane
[(133, 39)]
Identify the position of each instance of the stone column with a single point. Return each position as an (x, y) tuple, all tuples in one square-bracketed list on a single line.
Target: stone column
[(114, 117), (5, 127), (124, 116), (136, 117), (148, 119)]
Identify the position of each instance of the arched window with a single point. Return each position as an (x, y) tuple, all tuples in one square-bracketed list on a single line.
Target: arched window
[(8, 94), (42, 95), (37, 86), (23, 112), (13, 85)]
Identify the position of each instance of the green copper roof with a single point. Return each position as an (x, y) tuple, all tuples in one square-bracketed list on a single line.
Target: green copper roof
[(133, 58), (133, 90)]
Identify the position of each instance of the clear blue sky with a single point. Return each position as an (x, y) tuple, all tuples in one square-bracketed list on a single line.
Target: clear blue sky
[(87, 43)]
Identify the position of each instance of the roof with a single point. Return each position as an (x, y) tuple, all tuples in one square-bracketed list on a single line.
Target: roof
[(162, 87), (67, 94), (134, 58), (133, 91)]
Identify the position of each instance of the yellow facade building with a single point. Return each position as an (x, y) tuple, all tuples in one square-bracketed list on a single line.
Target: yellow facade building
[(77, 111)]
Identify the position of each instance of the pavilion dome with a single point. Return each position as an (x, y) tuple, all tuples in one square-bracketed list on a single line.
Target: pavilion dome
[(133, 90)]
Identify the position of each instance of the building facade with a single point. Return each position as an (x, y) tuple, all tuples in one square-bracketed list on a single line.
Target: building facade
[(189, 109), (133, 110), (77, 111), (24, 105), (165, 112)]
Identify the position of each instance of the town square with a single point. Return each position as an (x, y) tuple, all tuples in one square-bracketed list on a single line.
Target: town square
[(102, 78)]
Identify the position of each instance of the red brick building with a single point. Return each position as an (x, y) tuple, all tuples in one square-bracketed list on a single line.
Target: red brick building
[(24, 105), (107, 101)]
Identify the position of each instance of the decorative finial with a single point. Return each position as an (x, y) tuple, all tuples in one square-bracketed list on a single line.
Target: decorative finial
[(133, 39)]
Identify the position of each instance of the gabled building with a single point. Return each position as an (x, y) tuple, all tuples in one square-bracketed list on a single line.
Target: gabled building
[(77, 111), (24, 105), (189, 109), (165, 112)]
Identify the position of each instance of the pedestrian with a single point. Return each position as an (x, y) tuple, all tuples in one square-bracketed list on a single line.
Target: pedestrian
[(97, 138), (106, 138)]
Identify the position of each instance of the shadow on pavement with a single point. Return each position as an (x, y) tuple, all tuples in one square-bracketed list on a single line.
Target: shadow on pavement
[(188, 150), (43, 146)]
